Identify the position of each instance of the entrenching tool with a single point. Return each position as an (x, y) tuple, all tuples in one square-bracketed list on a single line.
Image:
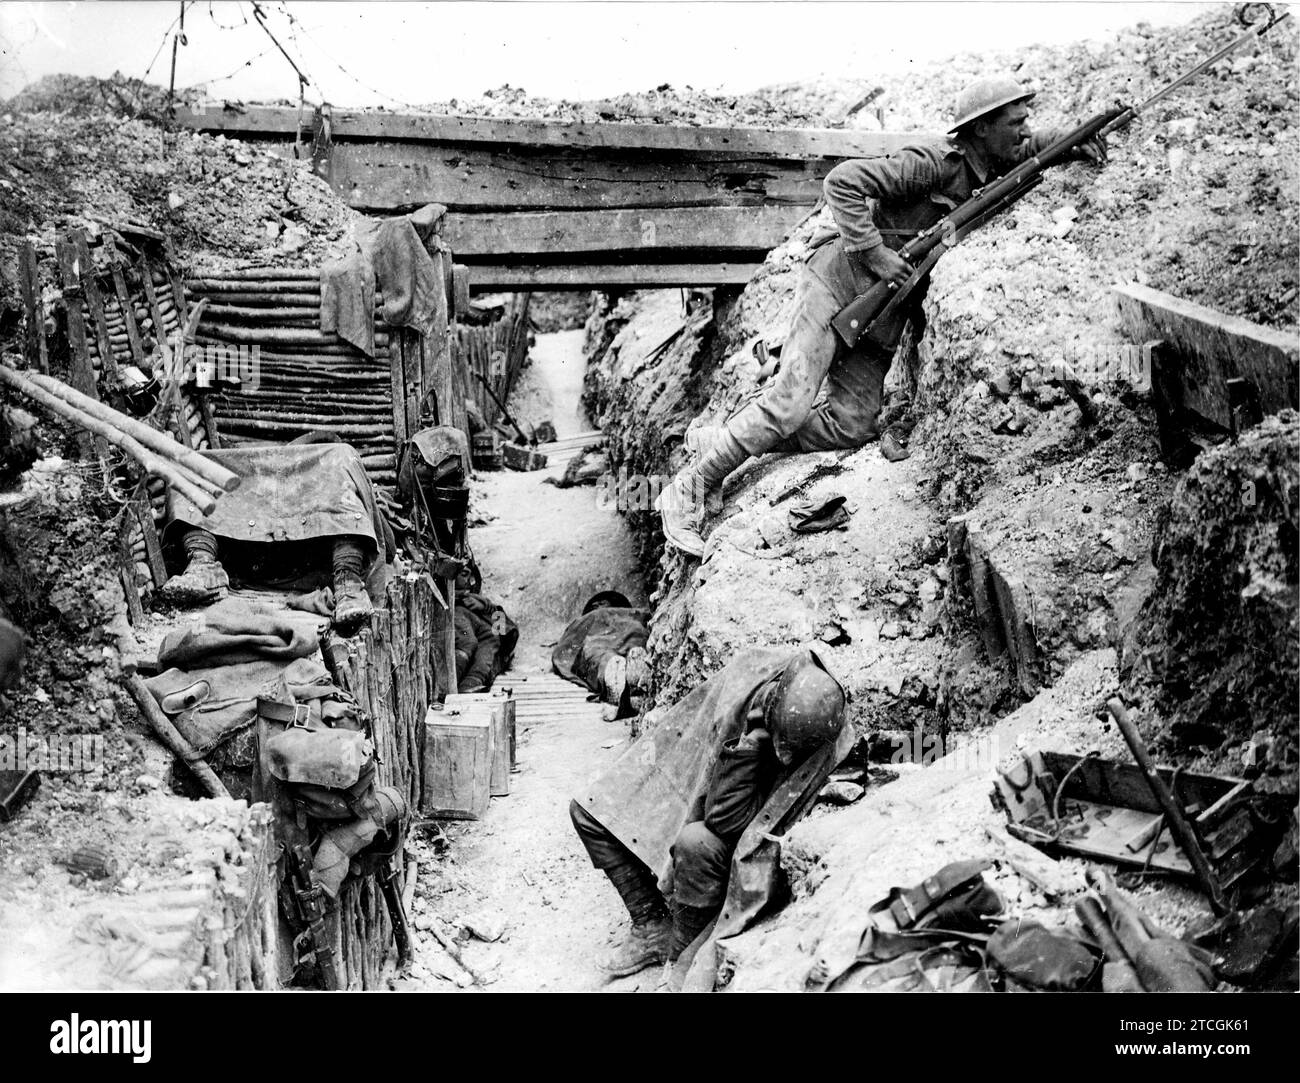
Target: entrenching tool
[(1118, 975)]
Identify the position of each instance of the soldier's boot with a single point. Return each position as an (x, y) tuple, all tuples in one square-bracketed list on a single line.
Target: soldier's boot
[(613, 679), (638, 670), (351, 602), (647, 941), (681, 505), (646, 945), (204, 579)]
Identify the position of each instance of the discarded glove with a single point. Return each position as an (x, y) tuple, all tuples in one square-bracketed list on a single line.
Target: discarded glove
[(813, 517)]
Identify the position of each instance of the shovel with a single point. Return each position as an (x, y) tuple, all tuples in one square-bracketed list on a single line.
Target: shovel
[(1163, 963), (1118, 975)]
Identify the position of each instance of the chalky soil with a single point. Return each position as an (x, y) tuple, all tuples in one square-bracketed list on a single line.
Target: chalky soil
[(521, 868)]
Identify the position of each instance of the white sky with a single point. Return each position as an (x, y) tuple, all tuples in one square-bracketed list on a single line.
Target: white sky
[(401, 53)]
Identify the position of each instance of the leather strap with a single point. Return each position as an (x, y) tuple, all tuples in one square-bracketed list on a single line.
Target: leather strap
[(907, 906), (291, 714)]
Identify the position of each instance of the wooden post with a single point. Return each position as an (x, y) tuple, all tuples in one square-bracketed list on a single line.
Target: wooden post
[(34, 332), (151, 299), (83, 374), (209, 421), (152, 543), (123, 297), (397, 384), (95, 304)]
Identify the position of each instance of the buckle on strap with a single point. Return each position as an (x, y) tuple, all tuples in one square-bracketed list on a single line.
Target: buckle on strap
[(291, 714)]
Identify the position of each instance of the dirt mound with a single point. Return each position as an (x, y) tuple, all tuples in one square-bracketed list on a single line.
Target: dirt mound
[(1202, 192), (87, 164), (665, 104)]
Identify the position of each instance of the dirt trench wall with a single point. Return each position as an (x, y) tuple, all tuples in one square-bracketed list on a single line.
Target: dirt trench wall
[(1057, 515), (1218, 641)]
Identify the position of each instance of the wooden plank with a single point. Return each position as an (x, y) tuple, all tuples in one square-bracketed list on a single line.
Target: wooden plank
[(596, 276), (152, 543), (1214, 348), (209, 421), (83, 374), (460, 291), (389, 176), (769, 142), (95, 305), (151, 299), (123, 299), (531, 233), (34, 349)]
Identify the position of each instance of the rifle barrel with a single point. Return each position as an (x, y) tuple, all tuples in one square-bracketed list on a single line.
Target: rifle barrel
[(1258, 30)]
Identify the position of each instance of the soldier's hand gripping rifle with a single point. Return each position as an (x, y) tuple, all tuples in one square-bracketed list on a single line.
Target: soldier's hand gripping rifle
[(878, 313)]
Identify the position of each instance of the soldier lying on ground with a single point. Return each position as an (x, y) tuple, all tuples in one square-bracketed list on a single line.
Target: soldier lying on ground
[(878, 204), (485, 635), (604, 650), (301, 508), (702, 798)]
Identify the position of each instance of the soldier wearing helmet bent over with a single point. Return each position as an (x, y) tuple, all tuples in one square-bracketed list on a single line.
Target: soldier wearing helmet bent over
[(878, 204), (686, 823)]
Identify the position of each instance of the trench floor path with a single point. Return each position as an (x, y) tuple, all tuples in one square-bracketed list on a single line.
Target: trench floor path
[(546, 551)]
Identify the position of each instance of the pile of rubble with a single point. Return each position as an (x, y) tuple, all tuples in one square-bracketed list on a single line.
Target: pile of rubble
[(90, 165)]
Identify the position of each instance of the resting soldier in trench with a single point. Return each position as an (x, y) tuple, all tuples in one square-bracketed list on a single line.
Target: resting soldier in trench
[(702, 799), (878, 204), (485, 635), (304, 517), (604, 650)]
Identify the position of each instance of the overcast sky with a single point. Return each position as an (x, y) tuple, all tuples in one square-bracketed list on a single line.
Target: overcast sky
[(393, 54)]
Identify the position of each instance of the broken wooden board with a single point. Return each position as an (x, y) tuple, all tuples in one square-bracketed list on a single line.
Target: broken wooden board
[(718, 229), (1212, 348), (1108, 813)]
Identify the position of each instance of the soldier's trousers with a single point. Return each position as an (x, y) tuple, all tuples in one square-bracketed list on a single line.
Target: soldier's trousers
[(788, 415), (701, 860)]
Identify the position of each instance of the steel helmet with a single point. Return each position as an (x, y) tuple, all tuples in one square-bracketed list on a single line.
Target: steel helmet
[(612, 599), (985, 96), (804, 710)]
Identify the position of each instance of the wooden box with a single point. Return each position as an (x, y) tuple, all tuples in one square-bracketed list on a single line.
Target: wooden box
[(1104, 810), (500, 706), (458, 751)]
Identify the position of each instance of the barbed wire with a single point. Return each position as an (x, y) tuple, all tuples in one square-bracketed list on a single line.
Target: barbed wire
[(295, 25), (222, 26), (139, 89)]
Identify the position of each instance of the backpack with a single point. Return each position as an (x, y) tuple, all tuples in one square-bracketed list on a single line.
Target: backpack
[(320, 750), (927, 938)]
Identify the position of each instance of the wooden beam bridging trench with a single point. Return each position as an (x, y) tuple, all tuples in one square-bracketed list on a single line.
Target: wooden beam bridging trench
[(538, 204)]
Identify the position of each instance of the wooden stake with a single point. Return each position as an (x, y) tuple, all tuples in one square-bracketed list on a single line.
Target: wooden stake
[(34, 331)]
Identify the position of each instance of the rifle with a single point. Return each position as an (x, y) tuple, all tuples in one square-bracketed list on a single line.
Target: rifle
[(878, 313), (307, 899)]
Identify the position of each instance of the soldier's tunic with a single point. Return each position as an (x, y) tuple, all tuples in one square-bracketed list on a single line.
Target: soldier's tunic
[(873, 201), (690, 806)]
